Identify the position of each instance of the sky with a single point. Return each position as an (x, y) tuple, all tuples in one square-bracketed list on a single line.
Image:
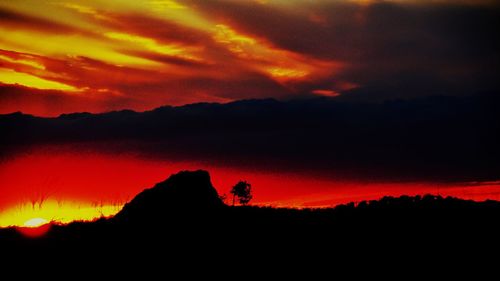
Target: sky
[(368, 98), (97, 56)]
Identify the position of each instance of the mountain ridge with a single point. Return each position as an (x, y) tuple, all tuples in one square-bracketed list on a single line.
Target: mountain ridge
[(432, 139)]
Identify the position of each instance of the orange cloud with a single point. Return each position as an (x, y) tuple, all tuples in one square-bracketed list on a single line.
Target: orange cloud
[(9, 76), (326, 93), (279, 64)]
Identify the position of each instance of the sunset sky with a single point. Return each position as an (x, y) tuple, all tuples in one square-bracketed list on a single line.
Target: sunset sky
[(354, 114), (67, 56)]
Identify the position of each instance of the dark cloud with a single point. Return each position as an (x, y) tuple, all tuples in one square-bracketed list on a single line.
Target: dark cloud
[(16, 20), (425, 139), (434, 48)]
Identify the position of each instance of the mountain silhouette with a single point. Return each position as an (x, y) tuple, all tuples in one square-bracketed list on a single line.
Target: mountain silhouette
[(184, 193)]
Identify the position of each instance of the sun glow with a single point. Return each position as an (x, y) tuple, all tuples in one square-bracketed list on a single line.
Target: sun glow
[(35, 222), (28, 215)]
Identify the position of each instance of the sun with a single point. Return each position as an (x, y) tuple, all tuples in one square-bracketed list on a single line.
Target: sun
[(35, 227), (35, 222)]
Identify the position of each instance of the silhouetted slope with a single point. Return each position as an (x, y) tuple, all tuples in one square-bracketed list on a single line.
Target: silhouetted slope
[(187, 192)]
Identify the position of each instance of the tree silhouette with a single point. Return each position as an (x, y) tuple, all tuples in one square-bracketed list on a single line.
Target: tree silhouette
[(242, 190)]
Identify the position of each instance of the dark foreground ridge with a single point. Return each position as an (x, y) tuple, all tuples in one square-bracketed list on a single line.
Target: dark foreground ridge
[(185, 211)]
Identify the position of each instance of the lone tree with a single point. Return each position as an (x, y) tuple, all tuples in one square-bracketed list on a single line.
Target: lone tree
[(242, 190)]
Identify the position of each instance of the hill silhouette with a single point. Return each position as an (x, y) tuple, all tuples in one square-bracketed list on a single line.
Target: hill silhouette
[(184, 212), (187, 192)]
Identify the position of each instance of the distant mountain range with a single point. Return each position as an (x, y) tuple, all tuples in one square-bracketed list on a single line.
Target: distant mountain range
[(436, 138)]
